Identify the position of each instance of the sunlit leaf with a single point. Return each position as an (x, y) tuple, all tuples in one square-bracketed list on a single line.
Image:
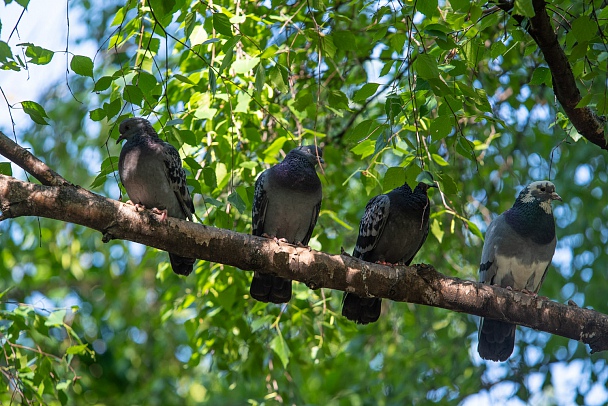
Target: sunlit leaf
[(35, 111), (82, 65)]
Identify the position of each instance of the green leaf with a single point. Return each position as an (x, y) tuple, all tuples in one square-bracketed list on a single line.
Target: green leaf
[(436, 230), (279, 346), (35, 111), (97, 114), (38, 55), (112, 108), (109, 165), (162, 8), (222, 24), (584, 29), (540, 76), (448, 185), (524, 8), (345, 40), (439, 160), (584, 100), (212, 81), (393, 106), (235, 199), (133, 95), (368, 90), (440, 127), (82, 65), (260, 79), (146, 82), (209, 177), (276, 77), (366, 128), (227, 61), (6, 169), (474, 229), (5, 52), (55, 318), (77, 349), (245, 65), (394, 177), (426, 66), (189, 25), (497, 49), (269, 52), (365, 148), (338, 100), (103, 83), (427, 7)]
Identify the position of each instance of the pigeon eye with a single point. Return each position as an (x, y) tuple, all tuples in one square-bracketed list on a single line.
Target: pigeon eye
[(542, 189)]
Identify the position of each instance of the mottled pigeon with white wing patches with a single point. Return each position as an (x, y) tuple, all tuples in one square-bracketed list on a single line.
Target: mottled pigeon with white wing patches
[(517, 252), (392, 230), (151, 171), (286, 204)]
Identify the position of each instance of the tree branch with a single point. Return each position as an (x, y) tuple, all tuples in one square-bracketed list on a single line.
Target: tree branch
[(420, 284), (586, 122), (28, 162)]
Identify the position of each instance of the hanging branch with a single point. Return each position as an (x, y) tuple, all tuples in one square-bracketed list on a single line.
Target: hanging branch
[(587, 123)]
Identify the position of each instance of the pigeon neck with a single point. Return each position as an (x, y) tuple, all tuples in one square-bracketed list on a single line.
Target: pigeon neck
[(532, 221)]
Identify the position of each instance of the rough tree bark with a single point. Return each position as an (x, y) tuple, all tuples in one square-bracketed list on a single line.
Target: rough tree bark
[(420, 284), (586, 122)]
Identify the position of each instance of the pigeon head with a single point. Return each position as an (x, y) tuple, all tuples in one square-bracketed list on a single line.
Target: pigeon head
[(425, 181), (134, 126), (313, 154), (541, 192)]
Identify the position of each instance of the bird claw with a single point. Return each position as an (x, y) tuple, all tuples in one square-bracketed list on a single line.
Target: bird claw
[(138, 207), (161, 213), (281, 240), (300, 245), (385, 263), (342, 252)]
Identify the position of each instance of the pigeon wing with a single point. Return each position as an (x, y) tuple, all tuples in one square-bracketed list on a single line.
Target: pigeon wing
[(177, 178), (372, 225), (260, 202)]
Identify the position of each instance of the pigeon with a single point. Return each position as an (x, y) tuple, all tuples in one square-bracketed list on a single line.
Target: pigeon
[(516, 254), (286, 204), (392, 230), (152, 174)]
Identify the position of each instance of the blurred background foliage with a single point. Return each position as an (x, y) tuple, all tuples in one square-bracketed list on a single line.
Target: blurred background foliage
[(388, 88)]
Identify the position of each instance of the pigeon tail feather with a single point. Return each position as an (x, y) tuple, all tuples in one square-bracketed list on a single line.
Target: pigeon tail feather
[(268, 288), (181, 265), (361, 310), (496, 340)]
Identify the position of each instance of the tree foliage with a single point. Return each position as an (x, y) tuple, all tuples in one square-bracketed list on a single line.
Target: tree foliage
[(457, 88)]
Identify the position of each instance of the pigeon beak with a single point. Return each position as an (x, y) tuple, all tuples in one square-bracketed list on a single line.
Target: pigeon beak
[(122, 137), (555, 196)]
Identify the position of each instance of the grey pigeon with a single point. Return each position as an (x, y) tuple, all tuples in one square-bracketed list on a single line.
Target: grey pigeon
[(516, 253), (286, 205), (392, 230), (151, 172)]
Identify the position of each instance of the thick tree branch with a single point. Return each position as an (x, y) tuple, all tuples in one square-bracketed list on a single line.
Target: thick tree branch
[(420, 284), (586, 122), (29, 162)]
